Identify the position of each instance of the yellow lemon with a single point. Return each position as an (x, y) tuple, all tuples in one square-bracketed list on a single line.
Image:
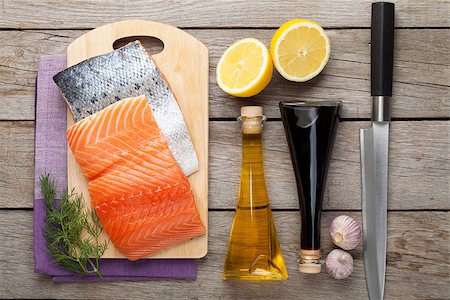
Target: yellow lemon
[(245, 68), (300, 50)]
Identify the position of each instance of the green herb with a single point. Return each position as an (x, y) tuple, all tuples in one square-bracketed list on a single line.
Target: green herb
[(72, 232)]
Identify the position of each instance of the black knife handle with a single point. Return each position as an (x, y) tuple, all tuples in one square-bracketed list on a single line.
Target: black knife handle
[(382, 48)]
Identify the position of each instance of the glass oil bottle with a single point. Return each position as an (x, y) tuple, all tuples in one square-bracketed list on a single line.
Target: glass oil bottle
[(253, 249)]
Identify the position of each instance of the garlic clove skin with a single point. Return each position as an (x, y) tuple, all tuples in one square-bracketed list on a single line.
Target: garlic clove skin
[(339, 264), (345, 232)]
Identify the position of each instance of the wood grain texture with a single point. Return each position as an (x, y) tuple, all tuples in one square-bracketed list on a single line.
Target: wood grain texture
[(419, 166), (417, 264), (421, 84), (217, 13), (16, 164), (421, 72), (418, 241), (188, 81)]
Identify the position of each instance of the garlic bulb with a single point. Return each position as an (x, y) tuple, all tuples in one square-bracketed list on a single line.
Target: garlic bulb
[(345, 232), (339, 264)]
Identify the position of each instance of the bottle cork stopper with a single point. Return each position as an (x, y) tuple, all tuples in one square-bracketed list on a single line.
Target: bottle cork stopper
[(251, 111), (251, 124), (310, 261)]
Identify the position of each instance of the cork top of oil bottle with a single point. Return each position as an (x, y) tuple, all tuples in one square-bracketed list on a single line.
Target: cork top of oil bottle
[(252, 118)]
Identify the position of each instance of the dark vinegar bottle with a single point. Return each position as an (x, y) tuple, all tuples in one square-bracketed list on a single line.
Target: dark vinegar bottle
[(310, 130)]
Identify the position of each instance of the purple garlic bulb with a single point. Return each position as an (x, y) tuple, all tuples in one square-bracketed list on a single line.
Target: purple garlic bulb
[(345, 232), (339, 264)]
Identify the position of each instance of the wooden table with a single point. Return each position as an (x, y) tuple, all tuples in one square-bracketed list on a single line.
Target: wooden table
[(419, 166)]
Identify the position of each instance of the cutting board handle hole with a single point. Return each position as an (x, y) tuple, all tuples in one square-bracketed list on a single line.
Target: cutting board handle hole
[(152, 44)]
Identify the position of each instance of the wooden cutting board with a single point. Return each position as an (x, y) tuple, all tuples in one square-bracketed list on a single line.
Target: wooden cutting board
[(184, 63)]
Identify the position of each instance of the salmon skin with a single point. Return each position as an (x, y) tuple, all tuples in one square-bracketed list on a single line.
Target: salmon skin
[(139, 192), (95, 83)]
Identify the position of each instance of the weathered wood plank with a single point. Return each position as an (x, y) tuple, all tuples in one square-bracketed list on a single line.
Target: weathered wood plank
[(419, 166), (417, 264), (217, 13), (421, 87), (16, 164), (421, 84)]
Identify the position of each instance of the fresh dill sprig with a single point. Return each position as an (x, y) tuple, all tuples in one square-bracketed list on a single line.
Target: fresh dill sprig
[(72, 232)]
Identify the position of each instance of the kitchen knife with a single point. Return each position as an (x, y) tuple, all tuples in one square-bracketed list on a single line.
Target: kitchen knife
[(374, 150)]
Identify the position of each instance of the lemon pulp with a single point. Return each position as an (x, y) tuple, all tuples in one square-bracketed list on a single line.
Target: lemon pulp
[(300, 50), (245, 68)]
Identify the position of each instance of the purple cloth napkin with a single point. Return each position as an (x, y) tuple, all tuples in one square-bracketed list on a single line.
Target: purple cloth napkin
[(51, 156)]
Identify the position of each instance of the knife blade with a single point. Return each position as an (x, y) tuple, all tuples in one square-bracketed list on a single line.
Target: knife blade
[(375, 149), (374, 157)]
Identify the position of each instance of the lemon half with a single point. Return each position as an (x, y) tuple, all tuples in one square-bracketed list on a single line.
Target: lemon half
[(300, 50), (245, 68)]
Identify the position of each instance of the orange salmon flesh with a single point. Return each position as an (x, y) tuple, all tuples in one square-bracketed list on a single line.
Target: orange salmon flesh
[(139, 192)]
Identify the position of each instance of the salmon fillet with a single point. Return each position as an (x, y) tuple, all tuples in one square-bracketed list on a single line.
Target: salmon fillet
[(139, 192), (129, 71)]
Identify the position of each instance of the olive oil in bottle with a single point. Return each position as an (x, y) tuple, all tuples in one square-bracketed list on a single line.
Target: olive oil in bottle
[(253, 249)]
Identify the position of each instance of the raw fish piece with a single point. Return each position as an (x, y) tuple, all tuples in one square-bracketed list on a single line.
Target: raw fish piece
[(139, 192), (95, 83)]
